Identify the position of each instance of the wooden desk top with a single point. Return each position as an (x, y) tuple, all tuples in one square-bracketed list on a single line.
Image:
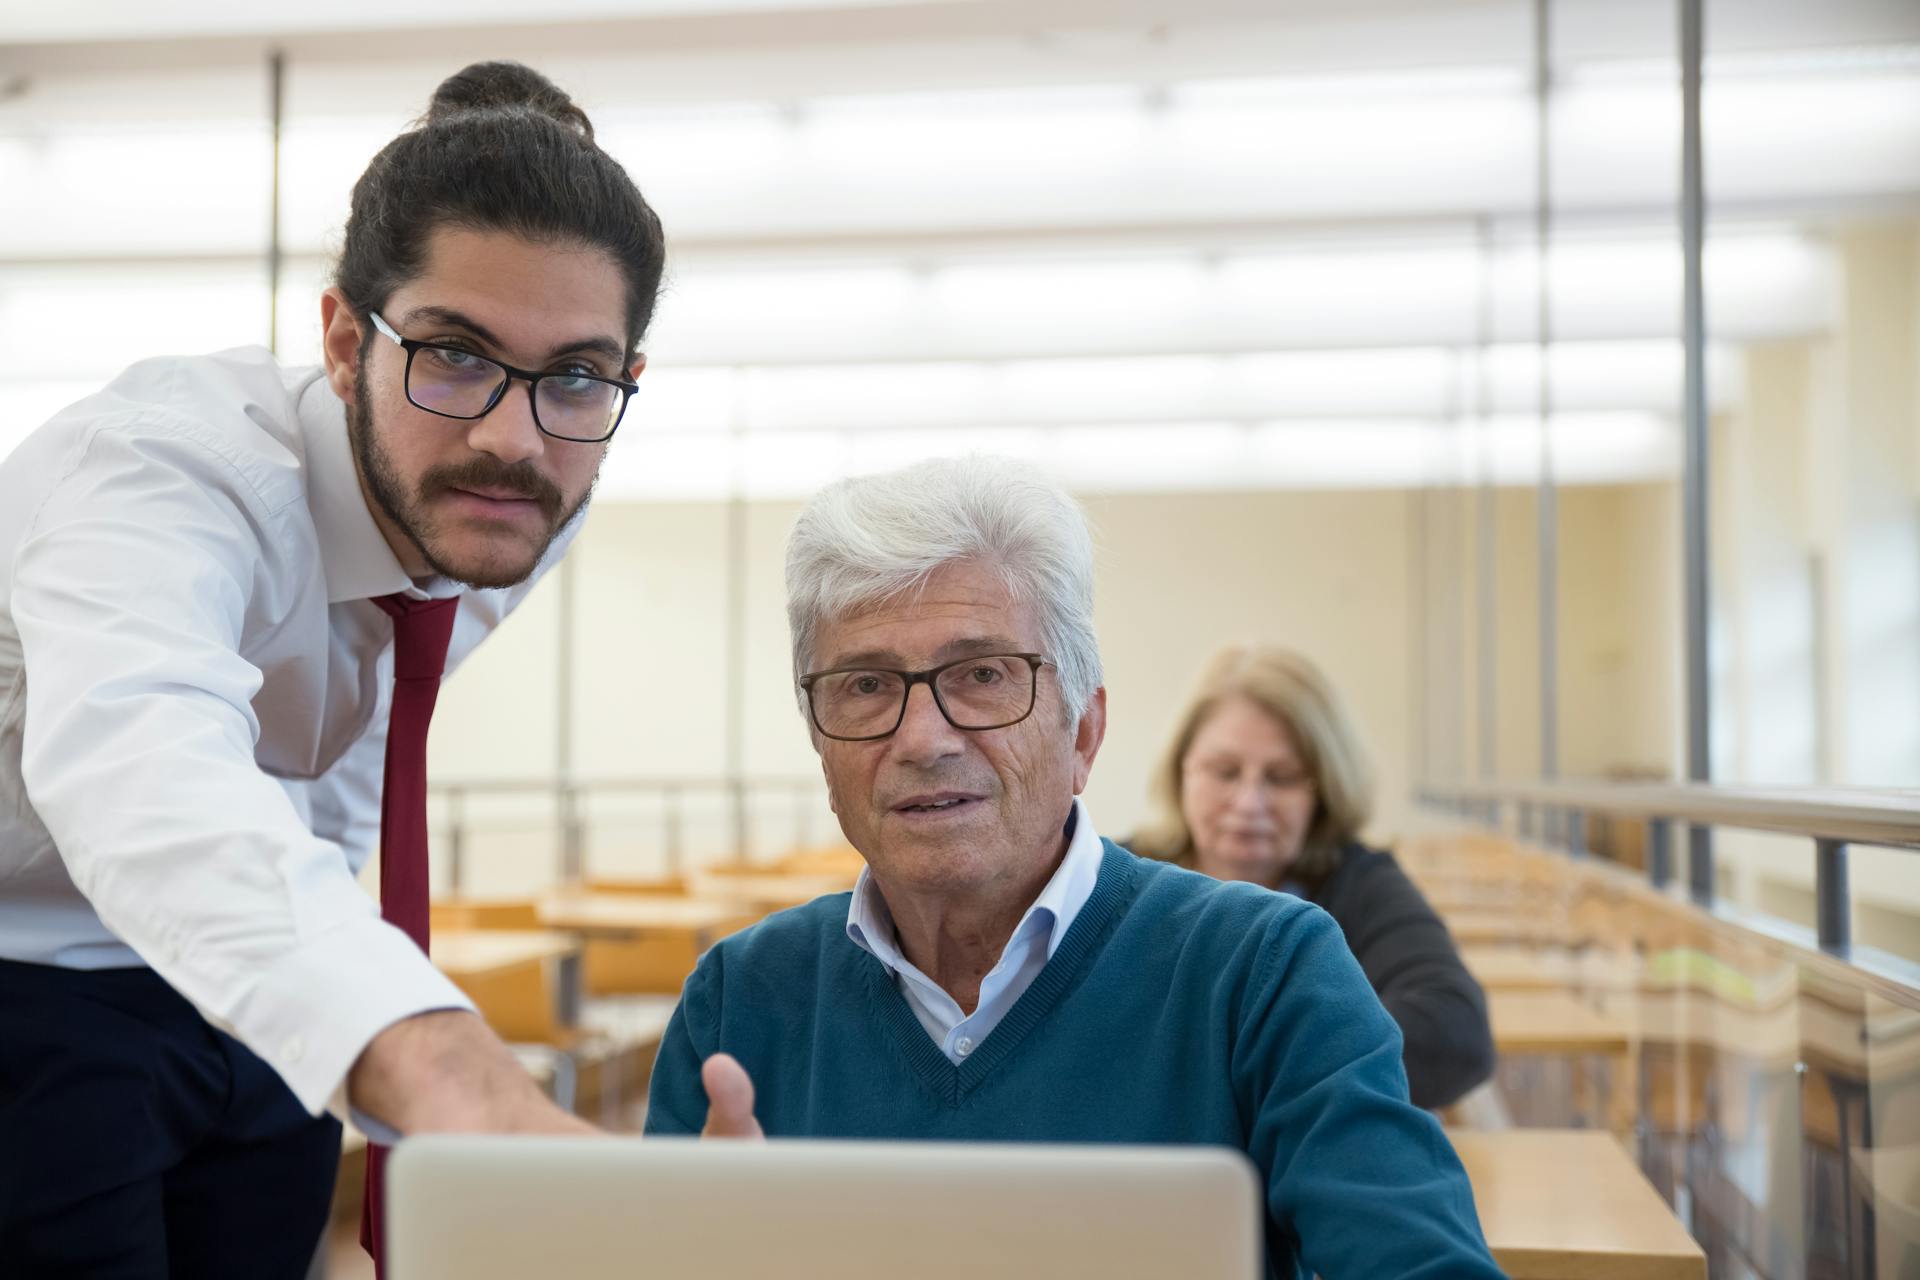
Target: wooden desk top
[(1893, 1175), (1543, 969), (1482, 927), (1567, 1204), (771, 888), (633, 913), (1552, 1022), (472, 953)]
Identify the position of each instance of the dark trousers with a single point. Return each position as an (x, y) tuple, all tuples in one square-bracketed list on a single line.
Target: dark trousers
[(138, 1141)]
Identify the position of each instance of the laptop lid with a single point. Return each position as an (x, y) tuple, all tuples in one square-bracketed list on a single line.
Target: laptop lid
[(540, 1208)]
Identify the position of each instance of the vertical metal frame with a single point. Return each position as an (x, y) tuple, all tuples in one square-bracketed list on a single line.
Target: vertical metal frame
[(1693, 483), (276, 255), (1659, 852), (566, 802), (1833, 903), (1548, 526), (736, 621), (1486, 579)]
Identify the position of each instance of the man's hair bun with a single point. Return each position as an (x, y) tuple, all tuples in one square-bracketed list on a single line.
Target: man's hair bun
[(504, 86)]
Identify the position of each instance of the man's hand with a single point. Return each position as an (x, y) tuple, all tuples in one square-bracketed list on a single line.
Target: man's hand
[(729, 1099), (446, 1072)]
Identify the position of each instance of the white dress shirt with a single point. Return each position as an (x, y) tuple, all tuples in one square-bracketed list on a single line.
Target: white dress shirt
[(1035, 939), (194, 685)]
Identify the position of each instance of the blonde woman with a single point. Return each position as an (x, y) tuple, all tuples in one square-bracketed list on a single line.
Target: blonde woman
[(1265, 781)]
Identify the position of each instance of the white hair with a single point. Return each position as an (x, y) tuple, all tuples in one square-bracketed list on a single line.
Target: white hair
[(874, 538)]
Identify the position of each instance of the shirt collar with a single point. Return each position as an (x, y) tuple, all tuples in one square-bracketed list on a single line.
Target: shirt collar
[(870, 924), (353, 552)]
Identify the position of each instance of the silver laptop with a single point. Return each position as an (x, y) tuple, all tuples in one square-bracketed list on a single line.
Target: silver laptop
[(505, 1208)]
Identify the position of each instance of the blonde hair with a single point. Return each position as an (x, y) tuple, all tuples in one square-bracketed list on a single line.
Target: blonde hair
[(1290, 689)]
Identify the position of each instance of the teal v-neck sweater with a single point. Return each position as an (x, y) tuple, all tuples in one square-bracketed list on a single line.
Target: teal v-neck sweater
[(1177, 1009)]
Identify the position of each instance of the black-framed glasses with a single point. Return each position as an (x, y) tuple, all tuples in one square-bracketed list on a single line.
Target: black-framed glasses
[(456, 383), (860, 704)]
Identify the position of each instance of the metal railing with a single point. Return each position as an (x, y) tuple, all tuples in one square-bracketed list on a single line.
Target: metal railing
[(1831, 817), (572, 800)]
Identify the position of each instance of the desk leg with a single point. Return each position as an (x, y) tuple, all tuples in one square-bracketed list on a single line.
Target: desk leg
[(1621, 1098), (570, 983)]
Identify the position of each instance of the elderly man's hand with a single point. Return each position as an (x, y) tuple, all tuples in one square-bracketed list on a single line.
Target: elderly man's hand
[(729, 1099)]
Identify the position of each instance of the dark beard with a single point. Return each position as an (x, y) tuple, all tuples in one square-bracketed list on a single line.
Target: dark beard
[(481, 471)]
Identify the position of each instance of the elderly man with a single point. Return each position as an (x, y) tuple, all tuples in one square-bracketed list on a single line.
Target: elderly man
[(1001, 972)]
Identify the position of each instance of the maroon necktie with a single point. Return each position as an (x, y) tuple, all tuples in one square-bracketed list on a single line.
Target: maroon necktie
[(421, 629)]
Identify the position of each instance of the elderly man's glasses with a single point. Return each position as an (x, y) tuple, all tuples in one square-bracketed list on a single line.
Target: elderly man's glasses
[(456, 383), (860, 704)]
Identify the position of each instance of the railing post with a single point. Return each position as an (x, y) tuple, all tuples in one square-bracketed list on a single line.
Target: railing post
[(800, 815), (1526, 820), (1659, 852), (1700, 864), (567, 818), (674, 850), (1577, 832), (738, 787), (456, 839), (1833, 907)]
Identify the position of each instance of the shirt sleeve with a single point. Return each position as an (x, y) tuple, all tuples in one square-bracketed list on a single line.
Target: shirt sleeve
[(1361, 1184), (1411, 963), (129, 593), (676, 1099), (345, 801)]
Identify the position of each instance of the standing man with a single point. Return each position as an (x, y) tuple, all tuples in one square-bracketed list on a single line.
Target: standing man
[(227, 594)]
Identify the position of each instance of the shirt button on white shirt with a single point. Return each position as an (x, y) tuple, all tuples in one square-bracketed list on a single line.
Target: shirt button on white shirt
[(963, 1046), (294, 1049)]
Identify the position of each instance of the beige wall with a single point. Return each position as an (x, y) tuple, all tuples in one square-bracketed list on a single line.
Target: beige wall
[(1330, 573), (1325, 573)]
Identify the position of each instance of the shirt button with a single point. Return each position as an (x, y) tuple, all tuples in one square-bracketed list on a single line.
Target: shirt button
[(293, 1049), (963, 1046)]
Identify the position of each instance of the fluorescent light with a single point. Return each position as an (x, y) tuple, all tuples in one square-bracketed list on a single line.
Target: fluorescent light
[(198, 190), (1164, 456), (1447, 144), (52, 324), (1626, 288), (321, 157), (1428, 382)]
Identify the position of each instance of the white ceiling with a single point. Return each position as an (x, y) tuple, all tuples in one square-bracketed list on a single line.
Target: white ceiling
[(1255, 234), (937, 41)]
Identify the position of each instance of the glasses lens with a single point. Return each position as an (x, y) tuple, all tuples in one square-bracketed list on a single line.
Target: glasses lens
[(456, 383), (577, 408), (857, 704), (985, 693)]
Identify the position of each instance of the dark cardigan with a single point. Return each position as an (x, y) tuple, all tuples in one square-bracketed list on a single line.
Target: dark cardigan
[(1410, 960)]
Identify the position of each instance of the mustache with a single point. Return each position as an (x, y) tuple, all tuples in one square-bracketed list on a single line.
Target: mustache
[(900, 788), (485, 472)]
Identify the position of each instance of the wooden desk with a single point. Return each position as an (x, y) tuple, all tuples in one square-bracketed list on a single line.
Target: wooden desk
[(1543, 969), (1481, 927), (770, 891), (1553, 1022), (627, 915), (642, 944), (1891, 1176), (1556, 1023), (478, 953), (1567, 1204), (503, 971), (1517, 968)]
